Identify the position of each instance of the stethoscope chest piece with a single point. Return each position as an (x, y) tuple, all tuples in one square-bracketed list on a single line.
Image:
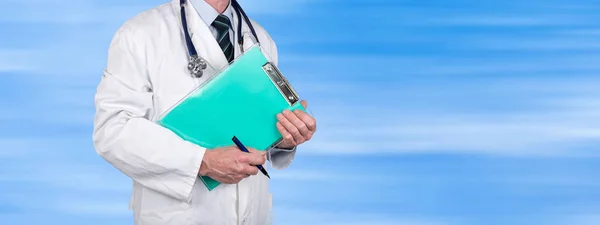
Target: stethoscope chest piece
[(196, 66)]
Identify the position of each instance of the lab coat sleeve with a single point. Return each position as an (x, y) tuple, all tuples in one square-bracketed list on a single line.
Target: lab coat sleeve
[(279, 158), (123, 134)]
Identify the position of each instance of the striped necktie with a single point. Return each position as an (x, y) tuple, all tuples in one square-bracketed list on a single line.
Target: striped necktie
[(222, 25)]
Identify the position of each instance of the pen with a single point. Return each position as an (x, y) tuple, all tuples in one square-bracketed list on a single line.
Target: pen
[(244, 149)]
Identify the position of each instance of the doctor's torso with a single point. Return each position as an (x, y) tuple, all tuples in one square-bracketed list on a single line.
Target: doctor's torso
[(167, 55), (156, 47)]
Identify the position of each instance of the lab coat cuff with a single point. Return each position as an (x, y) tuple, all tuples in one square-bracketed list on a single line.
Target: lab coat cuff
[(281, 158), (190, 181)]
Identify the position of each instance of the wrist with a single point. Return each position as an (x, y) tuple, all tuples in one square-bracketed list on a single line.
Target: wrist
[(286, 147), (204, 168)]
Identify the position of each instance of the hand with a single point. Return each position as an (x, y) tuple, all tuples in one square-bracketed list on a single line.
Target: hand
[(230, 165), (296, 127)]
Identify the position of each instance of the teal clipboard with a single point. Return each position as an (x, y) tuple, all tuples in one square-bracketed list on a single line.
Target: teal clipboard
[(242, 100)]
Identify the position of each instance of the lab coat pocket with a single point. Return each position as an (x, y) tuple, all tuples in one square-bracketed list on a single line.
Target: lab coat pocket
[(176, 214)]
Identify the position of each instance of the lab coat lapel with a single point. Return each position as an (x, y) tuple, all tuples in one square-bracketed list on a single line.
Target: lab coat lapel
[(205, 43)]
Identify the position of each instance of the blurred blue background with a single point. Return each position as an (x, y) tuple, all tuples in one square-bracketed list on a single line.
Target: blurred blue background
[(430, 112)]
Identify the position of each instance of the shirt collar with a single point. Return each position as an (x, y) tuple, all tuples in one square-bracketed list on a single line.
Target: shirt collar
[(208, 13)]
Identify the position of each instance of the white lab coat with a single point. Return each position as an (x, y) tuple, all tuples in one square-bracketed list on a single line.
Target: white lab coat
[(145, 75)]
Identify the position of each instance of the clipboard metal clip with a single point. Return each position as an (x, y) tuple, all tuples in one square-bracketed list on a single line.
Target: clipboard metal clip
[(281, 83)]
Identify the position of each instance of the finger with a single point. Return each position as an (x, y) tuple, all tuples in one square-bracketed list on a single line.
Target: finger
[(262, 154), (304, 103), (250, 170), (230, 180), (253, 156), (298, 123), (300, 126), (289, 126), (287, 137), (237, 178), (254, 159), (310, 122), (254, 151)]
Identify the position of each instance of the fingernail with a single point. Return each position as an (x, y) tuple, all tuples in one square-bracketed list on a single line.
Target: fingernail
[(280, 116)]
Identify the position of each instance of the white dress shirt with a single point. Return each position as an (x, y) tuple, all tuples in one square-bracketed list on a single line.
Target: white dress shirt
[(209, 14)]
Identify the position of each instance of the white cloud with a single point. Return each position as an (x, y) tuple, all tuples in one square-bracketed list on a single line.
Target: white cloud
[(593, 32), (391, 222), (49, 162), (24, 147), (530, 44), (276, 6), (82, 178), (294, 216), (46, 11), (577, 219), (96, 204), (16, 60), (508, 20), (93, 208), (556, 180), (412, 66), (559, 118), (312, 176), (94, 11), (302, 175), (12, 148), (69, 12), (69, 176), (533, 134)]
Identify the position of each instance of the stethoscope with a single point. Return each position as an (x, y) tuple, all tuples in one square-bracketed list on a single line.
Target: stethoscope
[(197, 64)]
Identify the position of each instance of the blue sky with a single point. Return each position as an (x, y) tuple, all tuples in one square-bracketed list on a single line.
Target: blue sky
[(430, 112)]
